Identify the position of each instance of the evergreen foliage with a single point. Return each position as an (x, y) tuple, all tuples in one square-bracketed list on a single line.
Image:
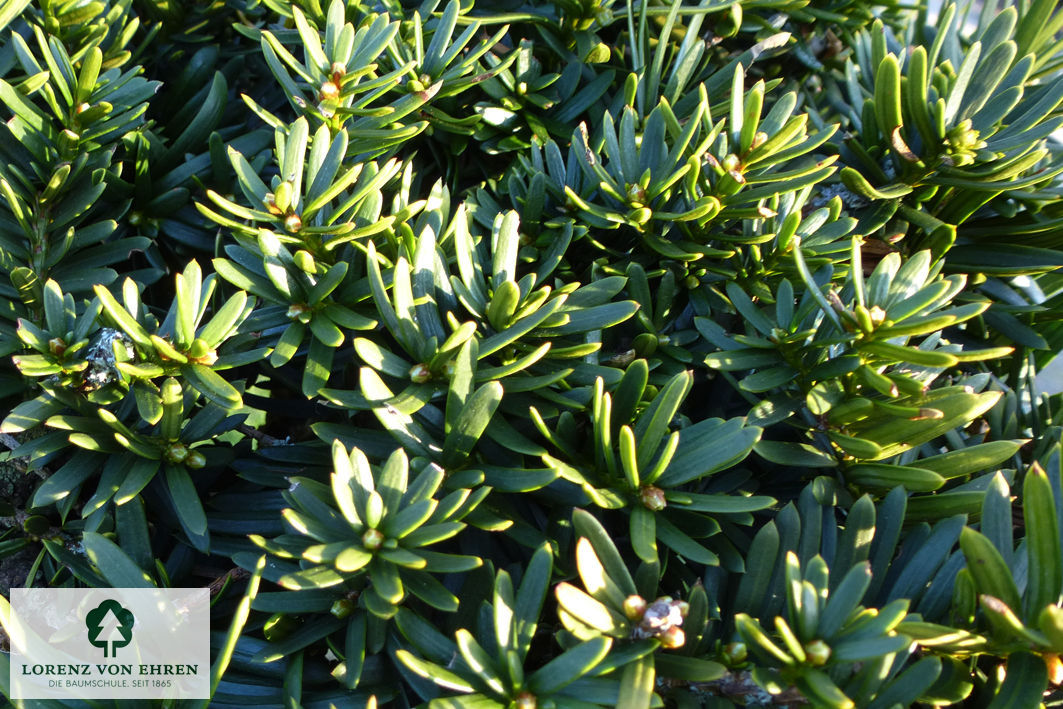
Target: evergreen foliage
[(551, 354)]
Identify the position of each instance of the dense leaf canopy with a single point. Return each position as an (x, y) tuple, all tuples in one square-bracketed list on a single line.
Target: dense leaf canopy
[(544, 354)]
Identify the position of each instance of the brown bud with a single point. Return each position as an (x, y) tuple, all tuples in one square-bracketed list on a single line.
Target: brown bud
[(176, 452), (1055, 668), (329, 91), (372, 539), (634, 607), (293, 223), (818, 652), (296, 310), (271, 204), (673, 637), (636, 195), (653, 498)]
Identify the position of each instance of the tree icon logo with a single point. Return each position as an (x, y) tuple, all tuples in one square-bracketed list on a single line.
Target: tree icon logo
[(109, 626)]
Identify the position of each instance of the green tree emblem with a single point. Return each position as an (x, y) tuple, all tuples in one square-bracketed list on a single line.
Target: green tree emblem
[(109, 624)]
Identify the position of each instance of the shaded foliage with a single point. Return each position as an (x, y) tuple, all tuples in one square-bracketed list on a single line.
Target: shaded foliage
[(557, 354)]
